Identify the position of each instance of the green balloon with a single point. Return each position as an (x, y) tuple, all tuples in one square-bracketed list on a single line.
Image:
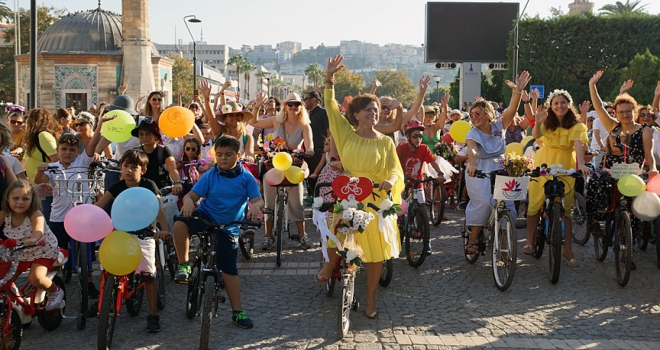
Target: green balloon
[(118, 129), (631, 185)]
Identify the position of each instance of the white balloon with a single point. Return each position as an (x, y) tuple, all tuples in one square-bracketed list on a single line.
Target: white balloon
[(646, 206)]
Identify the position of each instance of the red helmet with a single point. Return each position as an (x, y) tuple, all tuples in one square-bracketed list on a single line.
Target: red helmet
[(414, 125)]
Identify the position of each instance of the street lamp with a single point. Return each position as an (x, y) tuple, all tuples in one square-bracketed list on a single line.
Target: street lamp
[(193, 19), (437, 79)]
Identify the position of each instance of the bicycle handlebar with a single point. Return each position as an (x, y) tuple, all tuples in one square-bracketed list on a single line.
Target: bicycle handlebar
[(219, 226)]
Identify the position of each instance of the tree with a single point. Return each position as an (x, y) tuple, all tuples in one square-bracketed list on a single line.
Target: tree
[(237, 60), (247, 67), (623, 9), (396, 84), (261, 75), (315, 72), (46, 16), (347, 84), (644, 69), (433, 95), (181, 73), (6, 12)]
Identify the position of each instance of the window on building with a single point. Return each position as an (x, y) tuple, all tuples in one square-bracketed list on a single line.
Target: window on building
[(77, 100)]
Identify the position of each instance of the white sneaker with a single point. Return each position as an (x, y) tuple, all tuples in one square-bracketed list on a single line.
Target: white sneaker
[(55, 300), (268, 243), (304, 242)]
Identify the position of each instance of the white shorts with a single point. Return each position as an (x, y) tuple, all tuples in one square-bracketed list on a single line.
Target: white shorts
[(148, 262)]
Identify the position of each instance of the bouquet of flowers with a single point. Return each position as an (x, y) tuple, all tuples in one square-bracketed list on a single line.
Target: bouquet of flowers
[(516, 165), (445, 151), (353, 219), (277, 143)]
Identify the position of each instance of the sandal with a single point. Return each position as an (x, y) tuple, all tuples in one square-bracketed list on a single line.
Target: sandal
[(528, 249), (472, 248), (321, 279)]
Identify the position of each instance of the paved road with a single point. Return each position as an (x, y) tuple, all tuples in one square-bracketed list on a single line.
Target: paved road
[(445, 304)]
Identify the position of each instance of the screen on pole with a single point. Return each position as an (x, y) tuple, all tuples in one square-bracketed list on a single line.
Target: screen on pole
[(468, 31)]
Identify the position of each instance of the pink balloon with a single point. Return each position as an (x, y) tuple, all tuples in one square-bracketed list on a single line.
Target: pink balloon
[(87, 223), (654, 185), (404, 207), (274, 177)]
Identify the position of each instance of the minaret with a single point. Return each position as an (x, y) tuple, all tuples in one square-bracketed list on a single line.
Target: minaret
[(580, 6), (137, 71)]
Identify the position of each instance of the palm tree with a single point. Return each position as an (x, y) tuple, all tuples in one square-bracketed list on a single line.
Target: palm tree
[(315, 72), (237, 60), (277, 85), (619, 8), (247, 68)]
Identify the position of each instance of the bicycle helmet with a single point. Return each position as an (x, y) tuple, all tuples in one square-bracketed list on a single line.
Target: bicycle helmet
[(414, 125)]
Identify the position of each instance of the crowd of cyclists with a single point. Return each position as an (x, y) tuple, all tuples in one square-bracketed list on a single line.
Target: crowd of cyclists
[(216, 169)]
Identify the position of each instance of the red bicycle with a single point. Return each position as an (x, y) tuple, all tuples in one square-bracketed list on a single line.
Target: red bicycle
[(19, 307)]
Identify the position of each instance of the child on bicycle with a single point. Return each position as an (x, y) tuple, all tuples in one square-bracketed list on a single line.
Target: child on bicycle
[(190, 169), (226, 190), (73, 164), (134, 164), (23, 221)]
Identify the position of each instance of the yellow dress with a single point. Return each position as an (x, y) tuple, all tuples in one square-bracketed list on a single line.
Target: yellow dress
[(375, 159), (557, 149)]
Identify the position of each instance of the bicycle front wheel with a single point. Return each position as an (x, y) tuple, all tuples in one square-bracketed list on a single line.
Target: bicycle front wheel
[(209, 304), (82, 271), (279, 227), (134, 302), (345, 304), (107, 314), (160, 283), (417, 236), (436, 201), (579, 219), (504, 252), (194, 294), (386, 275), (556, 242), (539, 237), (602, 239), (471, 258), (623, 248), (246, 243)]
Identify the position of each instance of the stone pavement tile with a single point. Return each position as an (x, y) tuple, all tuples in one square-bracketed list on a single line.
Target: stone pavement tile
[(544, 343), (620, 344), (402, 339), (248, 265), (290, 272), (267, 272), (588, 343), (269, 265), (525, 343), (259, 265), (256, 272), (369, 346), (417, 339), (280, 272), (605, 344), (433, 340), (573, 343), (481, 341), (651, 345), (636, 344), (560, 344), (312, 272), (365, 338), (464, 341), (291, 264), (497, 342), (449, 340)]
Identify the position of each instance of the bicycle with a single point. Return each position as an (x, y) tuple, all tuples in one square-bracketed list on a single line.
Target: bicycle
[(618, 233), (551, 225), (246, 239), (205, 280), (81, 191), (19, 307), (414, 226), (497, 235), (126, 289), (436, 197)]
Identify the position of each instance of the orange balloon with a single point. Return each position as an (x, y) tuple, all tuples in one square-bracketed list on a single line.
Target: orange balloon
[(176, 121)]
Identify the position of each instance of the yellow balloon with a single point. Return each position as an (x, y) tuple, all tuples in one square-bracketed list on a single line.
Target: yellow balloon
[(514, 147), (458, 130), (282, 161), (176, 121), (631, 185), (526, 140), (294, 174), (120, 253)]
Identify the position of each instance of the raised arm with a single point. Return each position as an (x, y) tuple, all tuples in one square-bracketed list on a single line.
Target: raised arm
[(265, 123), (541, 114), (517, 87), (90, 149), (398, 121), (205, 90), (584, 109), (375, 86), (656, 102), (423, 86), (627, 85), (608, 121), (220, 96), (647, 139), (442, 118)]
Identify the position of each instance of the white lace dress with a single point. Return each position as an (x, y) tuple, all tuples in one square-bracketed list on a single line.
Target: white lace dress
[(23, 231)]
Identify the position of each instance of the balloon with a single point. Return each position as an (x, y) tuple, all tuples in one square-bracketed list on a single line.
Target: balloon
[(282, 161), (118, 129), (294, 174), (458, 130), (654, 185), (631, 185), (526, 140), (120, 253), (646, 206), (87, 223), (404, 208), (134, 209), (211, 153), (514, 147), (176, 121), (274, 177)]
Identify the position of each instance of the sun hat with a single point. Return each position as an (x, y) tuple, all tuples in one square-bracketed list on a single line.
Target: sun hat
[(149, 126), (124, 103), (292, 97), (87, 117), (233, 108)]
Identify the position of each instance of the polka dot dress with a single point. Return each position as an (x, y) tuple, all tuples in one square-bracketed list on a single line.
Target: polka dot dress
[(23, 231)]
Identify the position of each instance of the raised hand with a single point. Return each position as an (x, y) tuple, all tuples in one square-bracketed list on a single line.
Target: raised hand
[(445, 99), (594, 79), (524, 96), (334, 64), (523, 79), (123, 88), (535, 94), (627, 85), (141, 98), (182, 91), (261, 99), (205, 89), (394, 104), (377, 82), (657, 89), (225, 85), (424, 83), (510, 84), (541, 114), (585, 106)]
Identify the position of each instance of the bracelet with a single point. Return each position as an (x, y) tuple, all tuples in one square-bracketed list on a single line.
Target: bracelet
[(177, 182), (518, 91), (526, 102)]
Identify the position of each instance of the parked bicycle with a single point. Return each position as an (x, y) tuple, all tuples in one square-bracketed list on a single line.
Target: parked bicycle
[(205, 280), (498, 236)]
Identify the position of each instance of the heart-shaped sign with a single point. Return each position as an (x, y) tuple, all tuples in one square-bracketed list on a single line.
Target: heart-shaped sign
[(348, 188)]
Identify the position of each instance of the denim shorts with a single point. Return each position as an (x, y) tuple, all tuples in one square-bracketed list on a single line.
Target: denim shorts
[(226, 245)]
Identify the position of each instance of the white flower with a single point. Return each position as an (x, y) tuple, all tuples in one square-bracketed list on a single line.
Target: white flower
[(344, 204), (318, 201), (351, 254), (353, 179), (385, 204), (353, 204), (347, 214)]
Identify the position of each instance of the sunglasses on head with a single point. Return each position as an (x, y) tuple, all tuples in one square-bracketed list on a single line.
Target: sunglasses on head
[(189, 149), (16, 122), (291, 104), (417, 136), (78, 124)]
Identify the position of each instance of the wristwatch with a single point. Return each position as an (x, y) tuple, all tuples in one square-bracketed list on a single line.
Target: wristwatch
[(177, 182)]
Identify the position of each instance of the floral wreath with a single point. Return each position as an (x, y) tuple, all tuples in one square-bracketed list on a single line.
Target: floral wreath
[(560, 92)]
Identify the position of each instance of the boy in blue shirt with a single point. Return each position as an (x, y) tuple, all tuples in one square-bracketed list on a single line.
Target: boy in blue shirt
[(226, 189)]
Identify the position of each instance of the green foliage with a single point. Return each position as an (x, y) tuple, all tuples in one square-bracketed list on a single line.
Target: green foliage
[(564, 52), (315, 73), (319, 54), (347, 83), (435, 95), (620, 8), (396, 84), (182, 73), (644, 69)]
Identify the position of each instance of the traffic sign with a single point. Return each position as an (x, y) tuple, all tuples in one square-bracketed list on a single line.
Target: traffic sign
[(541, 89)]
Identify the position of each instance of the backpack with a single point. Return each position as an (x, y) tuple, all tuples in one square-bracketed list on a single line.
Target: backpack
[(161, 155)]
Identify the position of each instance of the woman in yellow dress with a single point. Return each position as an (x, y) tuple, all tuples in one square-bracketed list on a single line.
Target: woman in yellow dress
[(365, 152), (563, 137)]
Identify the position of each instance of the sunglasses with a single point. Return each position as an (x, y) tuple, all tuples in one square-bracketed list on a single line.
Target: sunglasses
[(16, 122), (417, 136), (646, 114), (291, 104), (78, 124), (189, 149), (156, 99)]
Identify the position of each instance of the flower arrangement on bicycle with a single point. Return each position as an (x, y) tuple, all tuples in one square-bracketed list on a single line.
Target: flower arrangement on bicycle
[(353, 219), (516, 165)]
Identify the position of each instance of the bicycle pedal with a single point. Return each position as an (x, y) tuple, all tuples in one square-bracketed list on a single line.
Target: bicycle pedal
[(181, 281), (222, 300)]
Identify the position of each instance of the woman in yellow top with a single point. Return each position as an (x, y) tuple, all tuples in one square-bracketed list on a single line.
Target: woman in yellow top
[(563, 137), (364, 152)]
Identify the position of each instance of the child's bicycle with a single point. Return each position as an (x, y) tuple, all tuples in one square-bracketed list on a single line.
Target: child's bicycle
[(80, 191), (205, 280), (414, 226), (127, 289), (18, 308)]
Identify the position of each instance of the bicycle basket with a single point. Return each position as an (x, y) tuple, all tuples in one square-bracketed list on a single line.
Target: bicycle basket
[(296, 162), (8, 265), (74, 188), (509, 188)]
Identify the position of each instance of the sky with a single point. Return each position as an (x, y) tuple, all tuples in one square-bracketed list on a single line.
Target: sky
[(310, 22)]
